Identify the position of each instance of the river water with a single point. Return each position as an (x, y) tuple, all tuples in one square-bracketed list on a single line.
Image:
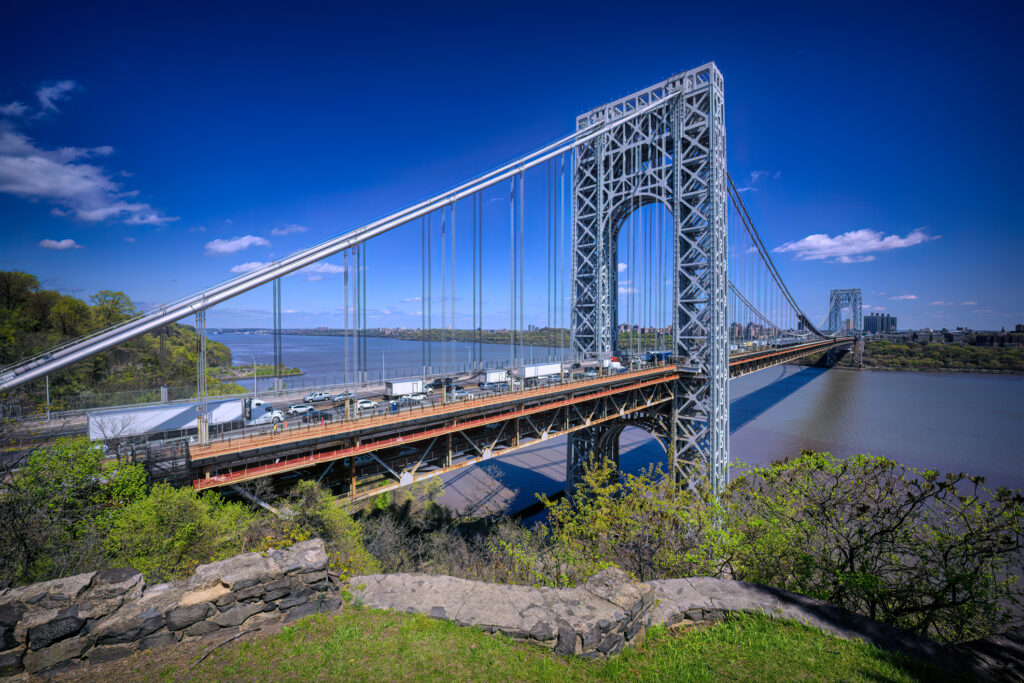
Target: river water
[(944, 421), (323, 359)]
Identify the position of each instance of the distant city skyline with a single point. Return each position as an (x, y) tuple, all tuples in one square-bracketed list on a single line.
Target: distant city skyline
[(159, 162)]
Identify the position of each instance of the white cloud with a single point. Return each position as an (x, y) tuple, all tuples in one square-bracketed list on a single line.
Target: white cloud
[(622, 267), (129, 239), (48, 94), (412, 300), (968, 303), (324, 268), (903, 297), (314, 278), (755, 177), (856, 246), (82, 190), (234, 244), (60, 244), (940, 302), (878, 308), (13, 109), (287, 230), (247, 267)]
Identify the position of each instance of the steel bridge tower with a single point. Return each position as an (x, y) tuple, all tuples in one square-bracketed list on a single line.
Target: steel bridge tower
[(674, 155), (838, 299)]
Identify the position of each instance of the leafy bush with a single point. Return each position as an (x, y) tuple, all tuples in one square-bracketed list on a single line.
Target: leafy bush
[(53, 509), (929, 554), (313, 509), (166, 534), (643, 524)]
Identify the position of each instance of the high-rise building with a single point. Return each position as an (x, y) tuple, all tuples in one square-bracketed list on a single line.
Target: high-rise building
[(880, 323)]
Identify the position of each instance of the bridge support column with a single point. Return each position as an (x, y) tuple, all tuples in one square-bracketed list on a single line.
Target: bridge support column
[(672, 154)]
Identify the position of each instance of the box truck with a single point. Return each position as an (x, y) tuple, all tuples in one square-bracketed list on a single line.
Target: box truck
[(404, 387), (541, 370)]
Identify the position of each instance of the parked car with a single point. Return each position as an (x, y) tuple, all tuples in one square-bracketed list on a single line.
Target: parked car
[(299, 409), (440, 383), (417, 397), (317, 396), (461, 395), (343, 396), (366, 404)]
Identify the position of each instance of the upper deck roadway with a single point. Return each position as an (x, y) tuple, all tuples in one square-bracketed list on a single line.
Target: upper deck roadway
[(480, 422)]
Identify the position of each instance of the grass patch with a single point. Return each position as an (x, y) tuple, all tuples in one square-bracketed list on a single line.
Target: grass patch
[(372, 645)]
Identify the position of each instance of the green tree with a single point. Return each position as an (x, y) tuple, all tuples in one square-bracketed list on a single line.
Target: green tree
[(110, 308)]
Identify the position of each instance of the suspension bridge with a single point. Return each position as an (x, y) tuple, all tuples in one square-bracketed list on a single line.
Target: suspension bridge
[(652, 266)]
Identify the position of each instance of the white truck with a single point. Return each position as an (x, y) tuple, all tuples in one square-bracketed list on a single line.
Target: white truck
[(404, 387), (495, 377), (541, 370), (256, 411)]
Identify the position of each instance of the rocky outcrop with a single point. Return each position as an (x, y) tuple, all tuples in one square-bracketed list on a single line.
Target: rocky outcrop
[(48, 627), (594, 620)]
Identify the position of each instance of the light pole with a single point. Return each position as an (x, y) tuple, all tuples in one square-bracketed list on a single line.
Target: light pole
[(254, 376)]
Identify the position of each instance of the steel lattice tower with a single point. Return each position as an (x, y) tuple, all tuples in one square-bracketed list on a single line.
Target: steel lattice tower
[(838, 299), (674, 155)]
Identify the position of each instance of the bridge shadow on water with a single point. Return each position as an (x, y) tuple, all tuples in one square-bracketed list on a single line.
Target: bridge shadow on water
[(749, 407)]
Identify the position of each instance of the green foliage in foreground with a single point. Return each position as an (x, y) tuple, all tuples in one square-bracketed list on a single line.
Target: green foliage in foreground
[(371, 645), (938, 556), (935, 356)]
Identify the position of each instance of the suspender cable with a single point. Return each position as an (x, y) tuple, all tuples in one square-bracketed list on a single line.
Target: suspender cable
[(423, 294), (522, 284), (451, 222), (512, 272), (444, 285)]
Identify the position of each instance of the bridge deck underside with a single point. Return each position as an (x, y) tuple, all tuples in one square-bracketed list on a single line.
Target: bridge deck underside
[(381, 453)]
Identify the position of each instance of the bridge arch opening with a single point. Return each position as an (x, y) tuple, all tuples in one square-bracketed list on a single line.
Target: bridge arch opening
[(641, 255)]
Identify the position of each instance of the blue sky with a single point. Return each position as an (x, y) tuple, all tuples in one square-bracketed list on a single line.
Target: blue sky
[(154, 149)]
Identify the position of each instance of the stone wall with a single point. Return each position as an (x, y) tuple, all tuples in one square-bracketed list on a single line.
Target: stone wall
[(610, 611), (99, 616), (594, 620)]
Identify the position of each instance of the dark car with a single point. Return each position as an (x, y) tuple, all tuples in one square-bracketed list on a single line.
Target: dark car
[(440, 383)]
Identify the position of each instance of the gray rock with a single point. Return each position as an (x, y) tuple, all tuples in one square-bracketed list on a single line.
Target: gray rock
[(301, 558), (162, 639), (114, 583), (62, 651), (201, 628), (612, 644), (183, 617), (276, 594), (56, 591), (299, 612), (566, 640), (298, 597), (107, 653), (438, 612), (10, 614), (67, 624), (541, 631), (236, 615), (10, 661)]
